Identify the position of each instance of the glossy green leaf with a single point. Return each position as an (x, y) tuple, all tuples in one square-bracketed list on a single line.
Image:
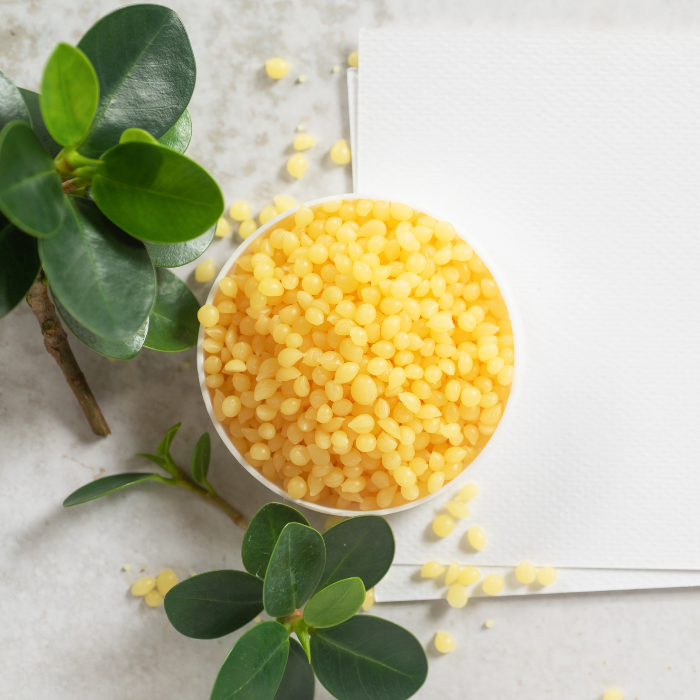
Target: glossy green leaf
[(139, 135), (362, 546), (173, 321), (262, 534), (12, 106), (298, 679), (103, 277), (155, 193), (178, 136), (146, 70), (31, 99), (178, 254), (200, 459), (156, 459), (164, 446), (108, 484), (335, 603), (367, 657), (294, 571), (19, 265), (69, 94), (31, 194), (214, 604), (117, 350), (254, 667)]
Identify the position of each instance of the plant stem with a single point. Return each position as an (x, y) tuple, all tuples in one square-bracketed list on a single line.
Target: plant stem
[(183, 482), (56, 343)]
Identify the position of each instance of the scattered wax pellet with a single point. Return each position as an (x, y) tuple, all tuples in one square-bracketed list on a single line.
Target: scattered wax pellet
[(457, 595), (143, 586), (488, 624), (276, 68), (301, 127), (335, 69), (452, 573), (303, 142), (613, 694), (301, 79), (468, 491), (468, 575), (431, 569), (296, 165), (525, 572), (257, 619), (247, 228), (239, 211), (205, 271), (444, 643), (267, 213), (340, 153), (185, 365), (126, 567), (369, 600), (457, 509), (153, 599), (476, 538), (493, 584), (443, 525), (333, 520), (283, 203), (166, 580), (354, 59), (223, 228), (546, 576)]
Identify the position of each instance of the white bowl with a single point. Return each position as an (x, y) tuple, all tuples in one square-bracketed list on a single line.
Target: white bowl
[(276, 489)]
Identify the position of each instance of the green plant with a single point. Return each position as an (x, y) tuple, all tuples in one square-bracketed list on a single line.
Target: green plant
[(313, 585), (97, 198)]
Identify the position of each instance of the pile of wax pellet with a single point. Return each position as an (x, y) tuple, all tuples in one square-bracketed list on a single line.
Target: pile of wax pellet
[(152, 589), (360, 354)]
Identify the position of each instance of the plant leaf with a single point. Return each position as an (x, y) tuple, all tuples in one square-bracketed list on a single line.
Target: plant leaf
[(31, 194), (146, 70), (155, 193), (130, 135), (368, 657), (178, 254), (254, 667), (108, 484), (103, 277), (156, 459), (12, 107), (69, 94), (117, 350), (298, 679), (295, 569), (178, 136), (200, 459), (214, 604), (173, 320), (335, 603), (164, 446), (19, 265), (262, 534), (31, 99), (362, 546)]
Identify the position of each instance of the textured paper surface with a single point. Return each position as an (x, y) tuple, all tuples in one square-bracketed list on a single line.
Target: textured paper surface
[(569, 162)]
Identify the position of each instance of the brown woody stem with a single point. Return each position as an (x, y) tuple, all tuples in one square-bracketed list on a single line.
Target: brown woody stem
[(56, 343), (213, 498)]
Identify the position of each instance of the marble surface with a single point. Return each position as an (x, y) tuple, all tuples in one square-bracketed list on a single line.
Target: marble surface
[(69, 626)]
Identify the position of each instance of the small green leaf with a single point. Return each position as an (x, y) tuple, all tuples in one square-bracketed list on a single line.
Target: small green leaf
[(156, 459), (301, 629), (178, 136), (262, 534), (146, 70), (19, 265), (69, 94), (298, 680), (200, 459), (367, 657), (294, 571), (173, 321), (31, 194), (178, 254), (214, 604), (117, 350), (103, 277), (12, 107), (155, 193), (108, 484), (254, 667), (362, 546), (31, 99), (130, 135), (164, 447), (335, 603)]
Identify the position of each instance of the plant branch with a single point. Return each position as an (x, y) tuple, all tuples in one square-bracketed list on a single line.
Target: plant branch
[(184, 482), (56, 343)]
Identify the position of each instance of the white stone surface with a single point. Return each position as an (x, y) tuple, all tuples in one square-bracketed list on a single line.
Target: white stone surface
[(69, 628)]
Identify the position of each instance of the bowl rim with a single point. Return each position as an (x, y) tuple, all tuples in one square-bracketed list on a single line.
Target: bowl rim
[(460, 479)]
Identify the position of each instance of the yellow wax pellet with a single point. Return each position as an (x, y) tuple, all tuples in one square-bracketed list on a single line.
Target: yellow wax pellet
[(444, 643), (302, 142), (247, 228), (432, 569), (166, 580), (340, 152), (223, 228), (154, 599), (488, 624), (354, 59), (525, 572), (283, 203), (452, 573), (468, 575), (613, 694), (443, 525), (269, 212), (143, 586), (457, 509), (493, 584), (205, 271), (369, 600), (457, 595), (296, 165), (276, 68), (546, 576), (301, 79), (208, 315), (335, 69), (468, 491), (476, 538), (240, 210)]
